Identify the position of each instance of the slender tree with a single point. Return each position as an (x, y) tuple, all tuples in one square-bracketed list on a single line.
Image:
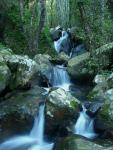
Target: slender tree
[(37, 13)]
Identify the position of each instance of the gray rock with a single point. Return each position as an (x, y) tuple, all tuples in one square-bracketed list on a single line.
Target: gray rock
[(18, 110), (22, 68), (61, 58), (78, 69), (71, 143), (61, 98), (62, 108), (55, 33), (44, 66)]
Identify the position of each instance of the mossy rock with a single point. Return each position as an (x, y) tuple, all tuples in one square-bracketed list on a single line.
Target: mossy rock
[(104, 112), (18, 111), (77, 143)]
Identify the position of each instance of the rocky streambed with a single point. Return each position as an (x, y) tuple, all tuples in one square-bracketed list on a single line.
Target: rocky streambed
[(22, 87)]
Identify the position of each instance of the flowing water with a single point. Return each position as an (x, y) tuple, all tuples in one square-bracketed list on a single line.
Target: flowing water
[(63, 44), (33, 141), (85, 125), (60, 78)]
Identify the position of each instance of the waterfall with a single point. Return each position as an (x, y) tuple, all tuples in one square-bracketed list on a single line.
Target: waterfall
[(35, 140), (38, 128), (59, 77), (85, 125), (63, 44)]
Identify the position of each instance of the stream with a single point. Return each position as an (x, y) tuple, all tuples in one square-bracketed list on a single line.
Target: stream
[(84, 126)]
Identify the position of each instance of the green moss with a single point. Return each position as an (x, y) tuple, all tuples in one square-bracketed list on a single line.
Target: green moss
[(73, 104), (2, 78), (104, 112), (92, 94)]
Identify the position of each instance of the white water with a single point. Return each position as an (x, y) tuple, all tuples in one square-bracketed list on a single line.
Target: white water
[(35, 140), (38, 128), (85, 125), (60, 78), (46, 91), (58, 43)]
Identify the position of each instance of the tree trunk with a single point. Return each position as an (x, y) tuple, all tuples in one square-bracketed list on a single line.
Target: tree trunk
[(40, 25), (26, 35), (33, 36)]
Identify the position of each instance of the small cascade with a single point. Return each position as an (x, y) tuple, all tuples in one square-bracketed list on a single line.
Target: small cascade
[(46, 91), (33, 141), (63, 43), (38, 128), (60, 78), (85, 125)]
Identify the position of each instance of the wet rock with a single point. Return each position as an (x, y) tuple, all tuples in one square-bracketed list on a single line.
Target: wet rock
[(44, 66), (61, 98), (94, 108), (106, 51), (75, 143), (22, 68), (62, 108), (5, 51), (105, 92), (83, 67), (101, 87), (17, 112), (78, 68), (56, 33), (60, 59), (103, 128)]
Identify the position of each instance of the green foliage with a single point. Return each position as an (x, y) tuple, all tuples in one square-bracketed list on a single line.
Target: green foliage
[(92, 95), (15, 40), (74, 105), (13, 35), (1, 46), (46, 44)]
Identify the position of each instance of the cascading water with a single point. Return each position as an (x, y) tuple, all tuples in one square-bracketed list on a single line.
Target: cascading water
[(35, 140), (59, 77), (38, 128), (85, 125), (63, 44)]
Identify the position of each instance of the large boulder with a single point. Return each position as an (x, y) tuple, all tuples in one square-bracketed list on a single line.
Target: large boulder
[(84, 67), (62, 108), (103, 87), (61, 98), (44, 66), (6, 51), (18, 110), (61, 58), (104, 93), (104, 55), (78, 67), (76, 143), (22, 69), (56, 33)]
